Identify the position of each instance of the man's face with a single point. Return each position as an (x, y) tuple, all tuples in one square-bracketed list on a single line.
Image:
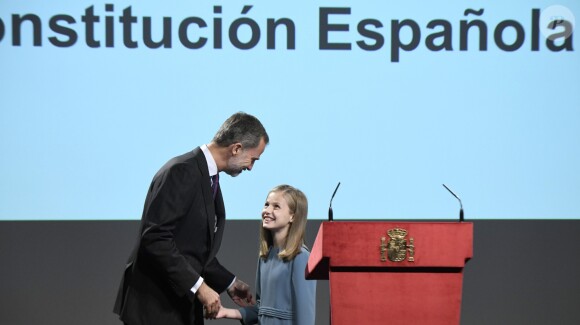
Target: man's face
[(244, 159)]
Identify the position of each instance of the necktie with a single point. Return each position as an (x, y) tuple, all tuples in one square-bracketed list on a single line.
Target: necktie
[(214, 184), (215, 179)]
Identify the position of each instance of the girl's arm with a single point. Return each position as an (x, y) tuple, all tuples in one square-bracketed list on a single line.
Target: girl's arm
[(228, 313), (304, 291), (248, 315)]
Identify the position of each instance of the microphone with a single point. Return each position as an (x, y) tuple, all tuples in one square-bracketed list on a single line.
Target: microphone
[(460, 204), (330, 217)]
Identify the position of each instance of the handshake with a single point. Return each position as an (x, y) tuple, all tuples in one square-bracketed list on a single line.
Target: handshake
[(239, 291)]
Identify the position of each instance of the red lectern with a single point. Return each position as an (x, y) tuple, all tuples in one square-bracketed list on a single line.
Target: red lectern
[(392, 272)]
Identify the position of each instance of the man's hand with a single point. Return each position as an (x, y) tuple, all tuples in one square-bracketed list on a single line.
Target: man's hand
[(240, 294), (209, 299)]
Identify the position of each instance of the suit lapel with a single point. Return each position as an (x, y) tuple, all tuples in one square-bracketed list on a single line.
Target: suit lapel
[(206, 191), (221, 220)]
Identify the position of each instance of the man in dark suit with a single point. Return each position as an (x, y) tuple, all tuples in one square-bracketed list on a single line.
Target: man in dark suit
[(173, 273)]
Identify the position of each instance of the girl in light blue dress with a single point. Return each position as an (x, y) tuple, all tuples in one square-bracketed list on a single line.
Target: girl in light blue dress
[(283, 295)]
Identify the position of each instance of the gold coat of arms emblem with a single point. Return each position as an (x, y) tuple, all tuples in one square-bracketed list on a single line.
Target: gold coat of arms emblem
[(397, 246)]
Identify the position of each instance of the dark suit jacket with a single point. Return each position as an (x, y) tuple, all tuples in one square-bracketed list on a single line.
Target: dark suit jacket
[(176, 246)]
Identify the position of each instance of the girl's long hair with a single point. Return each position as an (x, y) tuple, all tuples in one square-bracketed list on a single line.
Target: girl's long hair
[(298, 205)]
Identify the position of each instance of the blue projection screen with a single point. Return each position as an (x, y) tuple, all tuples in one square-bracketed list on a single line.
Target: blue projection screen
[(392, 99)]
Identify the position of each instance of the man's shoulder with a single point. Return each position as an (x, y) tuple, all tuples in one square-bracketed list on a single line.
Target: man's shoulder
[(188, 161), (188, 156)]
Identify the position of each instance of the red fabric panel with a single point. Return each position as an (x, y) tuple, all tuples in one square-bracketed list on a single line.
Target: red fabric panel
[(366, 290), (395, 298), (437, 244)]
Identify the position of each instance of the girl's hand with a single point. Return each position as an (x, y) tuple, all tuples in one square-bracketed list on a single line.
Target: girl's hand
[(230, 313)]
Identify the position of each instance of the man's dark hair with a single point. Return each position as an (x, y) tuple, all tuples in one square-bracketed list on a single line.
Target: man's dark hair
[(241, 127)]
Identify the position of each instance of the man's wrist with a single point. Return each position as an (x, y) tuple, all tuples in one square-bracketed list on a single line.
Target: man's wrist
[(231, 284), (197, 285)]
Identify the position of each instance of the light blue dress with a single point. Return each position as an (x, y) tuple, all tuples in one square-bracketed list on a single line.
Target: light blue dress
[(283, 295)]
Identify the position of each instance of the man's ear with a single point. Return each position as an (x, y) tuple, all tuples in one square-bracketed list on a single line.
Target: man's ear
[(236, 148)]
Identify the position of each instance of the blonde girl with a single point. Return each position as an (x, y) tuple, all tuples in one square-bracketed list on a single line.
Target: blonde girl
[(283, 295)]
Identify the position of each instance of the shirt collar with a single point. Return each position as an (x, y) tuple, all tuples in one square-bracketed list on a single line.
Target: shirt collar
[(211, 165)]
